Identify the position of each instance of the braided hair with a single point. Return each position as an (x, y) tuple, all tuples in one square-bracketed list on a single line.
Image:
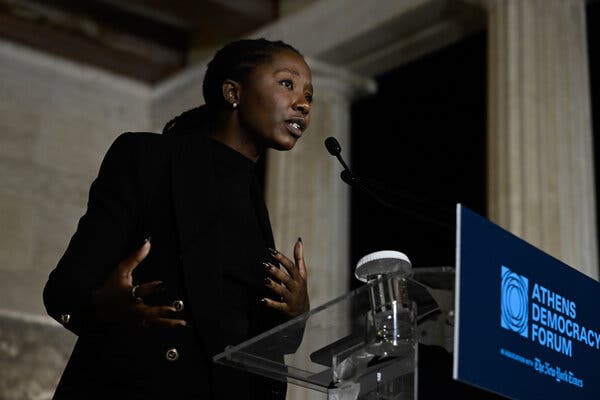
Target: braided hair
[(234, 61)]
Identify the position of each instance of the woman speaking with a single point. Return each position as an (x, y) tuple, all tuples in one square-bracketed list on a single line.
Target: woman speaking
[(174, 258)]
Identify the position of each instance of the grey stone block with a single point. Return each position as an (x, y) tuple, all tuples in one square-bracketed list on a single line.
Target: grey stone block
[(33, 353)]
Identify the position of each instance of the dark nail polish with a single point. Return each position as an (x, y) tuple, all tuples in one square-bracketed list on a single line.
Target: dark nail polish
[(267, 281), (300, 239), (266, 265), (273, 251)]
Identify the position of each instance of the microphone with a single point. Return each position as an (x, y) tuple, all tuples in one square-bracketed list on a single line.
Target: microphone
[(334, 148)]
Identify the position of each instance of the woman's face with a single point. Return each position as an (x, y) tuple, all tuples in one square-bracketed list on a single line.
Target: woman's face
[(275, 101)]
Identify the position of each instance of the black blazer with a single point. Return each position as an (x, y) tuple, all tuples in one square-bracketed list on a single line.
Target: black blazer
[(159, 186)]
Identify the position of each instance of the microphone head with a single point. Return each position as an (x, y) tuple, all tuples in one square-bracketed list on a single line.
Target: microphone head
[(333, 146), (347, 177)]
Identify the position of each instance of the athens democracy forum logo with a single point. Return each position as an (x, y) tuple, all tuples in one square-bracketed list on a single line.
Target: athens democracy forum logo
[(514, 301), (542, 315)]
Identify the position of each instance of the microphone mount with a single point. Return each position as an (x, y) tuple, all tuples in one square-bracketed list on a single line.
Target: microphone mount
[(373, 188)]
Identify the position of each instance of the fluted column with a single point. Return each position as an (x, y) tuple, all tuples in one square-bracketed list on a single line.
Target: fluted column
[(540, 170), (306, 197)]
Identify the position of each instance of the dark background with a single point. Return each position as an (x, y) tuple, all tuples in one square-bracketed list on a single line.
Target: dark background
[(424, 132)]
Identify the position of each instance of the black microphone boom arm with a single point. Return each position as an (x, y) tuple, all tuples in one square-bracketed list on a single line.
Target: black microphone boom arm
[(372, 188)]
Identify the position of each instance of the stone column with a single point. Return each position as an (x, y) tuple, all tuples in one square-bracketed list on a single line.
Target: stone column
[(540, 169), (306, 197)]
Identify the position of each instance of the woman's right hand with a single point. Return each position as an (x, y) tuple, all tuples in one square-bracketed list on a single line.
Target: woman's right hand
[(119, 302)]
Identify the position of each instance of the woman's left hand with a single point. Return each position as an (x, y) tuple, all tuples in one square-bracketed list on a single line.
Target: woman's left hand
[(290, 288)]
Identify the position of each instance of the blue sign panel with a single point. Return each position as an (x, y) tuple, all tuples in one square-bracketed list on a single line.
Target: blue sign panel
[(527, 325)]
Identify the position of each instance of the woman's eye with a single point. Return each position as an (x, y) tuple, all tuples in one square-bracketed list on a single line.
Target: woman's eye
[(309, 98), (287, 83)]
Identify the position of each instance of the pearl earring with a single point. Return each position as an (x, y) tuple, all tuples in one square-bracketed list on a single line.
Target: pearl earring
[(234, 105)]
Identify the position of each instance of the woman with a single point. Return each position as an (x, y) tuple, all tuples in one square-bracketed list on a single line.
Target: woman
[(209, 275)]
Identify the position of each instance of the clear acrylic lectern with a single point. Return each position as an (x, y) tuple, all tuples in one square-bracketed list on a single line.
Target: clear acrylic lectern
[(362, 345)]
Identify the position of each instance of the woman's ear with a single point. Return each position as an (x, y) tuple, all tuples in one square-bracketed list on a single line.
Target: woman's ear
[(231, 92)]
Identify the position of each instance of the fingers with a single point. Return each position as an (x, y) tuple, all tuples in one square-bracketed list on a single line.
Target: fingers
[(289, 288), (127, 265), (158, 316), (277, 288), (275, 304), (288, 306), (299, 257), (297, 268), (163, 323), (279, 275), (146, 289), (286, 263)]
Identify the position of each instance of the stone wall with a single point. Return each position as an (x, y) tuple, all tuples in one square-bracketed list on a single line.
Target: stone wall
[(33, 352), (57, 119)]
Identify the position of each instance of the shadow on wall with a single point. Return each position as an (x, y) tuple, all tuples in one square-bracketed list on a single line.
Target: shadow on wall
[(33, 353)]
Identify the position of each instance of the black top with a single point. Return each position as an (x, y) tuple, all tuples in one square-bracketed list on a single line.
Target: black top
[(242, 242), (164, 186), (244, 245)]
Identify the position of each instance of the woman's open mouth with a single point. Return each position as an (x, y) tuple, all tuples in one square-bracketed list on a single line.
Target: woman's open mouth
[(296, 126)]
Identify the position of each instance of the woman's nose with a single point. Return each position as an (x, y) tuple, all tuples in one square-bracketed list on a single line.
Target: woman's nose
[(302, 105)]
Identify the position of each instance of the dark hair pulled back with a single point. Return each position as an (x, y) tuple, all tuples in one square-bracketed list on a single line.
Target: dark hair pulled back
[(235, 61)]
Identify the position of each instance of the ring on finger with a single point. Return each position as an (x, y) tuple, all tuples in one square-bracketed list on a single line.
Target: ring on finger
[(133, 295)]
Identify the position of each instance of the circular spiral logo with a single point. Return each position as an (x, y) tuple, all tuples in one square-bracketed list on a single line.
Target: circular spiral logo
[(514, 303)]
